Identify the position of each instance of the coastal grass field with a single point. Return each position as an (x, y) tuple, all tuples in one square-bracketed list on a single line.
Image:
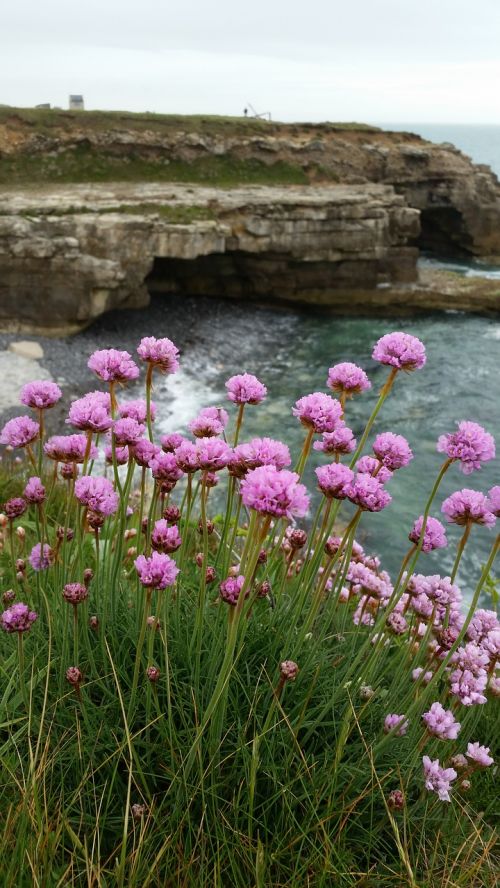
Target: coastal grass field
[(199, 687)]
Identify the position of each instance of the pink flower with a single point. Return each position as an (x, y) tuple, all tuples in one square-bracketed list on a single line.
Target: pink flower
[(319, 412), (156, 572), (40, 394), (20, 431), (69, 448), (438, 779), (41, 561), (368, 465), (170, 443), (213, 454), (469, 678), (165, 538), (75, 593), (18, 618), (441, 722), (466, 506), (348, 379), (111, 365), (210, 422), (164, 467), (396, 721), (97, 494), (471, 445), (483, 622), (493, 502), (400, 350), (15, 507), (230, 589), (420, 673), (340, 441), (479, 754), (274, 492), (137, 410), (162, 353), (186, 456), (122, 455), (334, 480), (393, 451), (144, 451), (259, 452), (245, 389), (368, 493), (434, 535), (34, 491), (127, 430), (91, 413)]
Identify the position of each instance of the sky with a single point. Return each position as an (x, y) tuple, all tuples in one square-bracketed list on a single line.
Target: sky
[(338, 60)]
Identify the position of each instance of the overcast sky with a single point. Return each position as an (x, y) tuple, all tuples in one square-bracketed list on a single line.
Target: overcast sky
[(364, 60)]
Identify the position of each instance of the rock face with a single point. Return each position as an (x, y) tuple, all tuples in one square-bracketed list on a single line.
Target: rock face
[(70, 254)]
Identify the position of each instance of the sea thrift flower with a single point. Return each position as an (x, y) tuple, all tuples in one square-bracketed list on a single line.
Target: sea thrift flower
[(127, 430), (334, 480), (15, 507), (97, 494), (397, 623), (165, 538), (470, 445), (274, 492), (144, 451), (396, 721), (19, 432), (161, 353), (396, 800), (186, 457), (483, 622), (434, 534), (164, 467), (210, 422), (469, 678), (245, 389), (368, 493), (348, 379), (213, 454), (401, 351), (122, 455), (17, 618), (91, 413), (368, 465), (289, 670), (170, 443), (40, 394), (34, 492), (493, 502), (74, 676), (230, 589), (318, 412), (393, 451), (441, 722), (419, 673), (75, 593), (459, 761), (69, 448), (479, 754), (153, 674), (466, 506), (111, 365), (41, 561), (137, 410), (156, 572), (438, 779), (259, 452), (338, 442)]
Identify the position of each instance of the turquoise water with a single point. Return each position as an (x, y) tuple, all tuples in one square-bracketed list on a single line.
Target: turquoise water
[(291, 352), (481, 143)]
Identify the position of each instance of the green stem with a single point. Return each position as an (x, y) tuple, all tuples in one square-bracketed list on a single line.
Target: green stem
[(460, 549), (384, 392)]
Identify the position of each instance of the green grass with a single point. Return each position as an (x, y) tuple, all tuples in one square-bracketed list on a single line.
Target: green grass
[(178, 214)]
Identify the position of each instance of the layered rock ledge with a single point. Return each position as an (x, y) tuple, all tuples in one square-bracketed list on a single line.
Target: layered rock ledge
[(67, 254)]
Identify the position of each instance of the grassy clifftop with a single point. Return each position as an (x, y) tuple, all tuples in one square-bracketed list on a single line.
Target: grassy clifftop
[(40, 145)]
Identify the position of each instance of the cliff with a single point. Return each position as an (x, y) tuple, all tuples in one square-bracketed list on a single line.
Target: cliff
[(316, 213)]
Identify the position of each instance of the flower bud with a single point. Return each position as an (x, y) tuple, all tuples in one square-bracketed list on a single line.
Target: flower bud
[(138, 811), (366, 692), (297, 539), (289, 670), (21, 533), (396, 800), (20, 565), (211, 479), (210, 527), (69, 471), (153, 622), (130, 533), (94, 622), (262, 558), (132, 552), (3, 519), (15, 507), (459, 761), (8, 596), (20, 576), (199, 559), (171, 514), (88, 575), (74, 676), (210, 575), (464, 785), (95, 520), (144, 525), (263, 589), (153, 673)]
